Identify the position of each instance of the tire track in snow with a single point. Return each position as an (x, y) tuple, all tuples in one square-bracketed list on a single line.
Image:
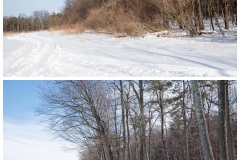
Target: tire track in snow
[(31, 58), (96, 66), (44, 54)]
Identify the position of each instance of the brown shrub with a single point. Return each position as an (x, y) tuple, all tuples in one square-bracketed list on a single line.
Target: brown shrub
[(75, 11), (111, 18), (120, 18)]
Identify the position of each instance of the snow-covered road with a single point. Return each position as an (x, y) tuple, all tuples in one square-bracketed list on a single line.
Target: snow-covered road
[(49, 54)]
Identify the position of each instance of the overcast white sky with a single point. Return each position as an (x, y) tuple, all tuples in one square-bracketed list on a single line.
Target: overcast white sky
[(15, 7)]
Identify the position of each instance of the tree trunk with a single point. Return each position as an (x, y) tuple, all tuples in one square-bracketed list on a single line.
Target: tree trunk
[(186, 157), (127, 124), (231, 150), (221, 120), (165, 18), (200, 16), (216, 16), (211, 15), (108, 148), (226, 14), (116, 132), (205, 142), (160, 103), (143, 151), (123, 121), (128, 135), (149, 133), (101, 126), (135, 138)]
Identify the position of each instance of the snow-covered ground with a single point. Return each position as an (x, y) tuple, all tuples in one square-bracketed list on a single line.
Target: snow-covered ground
[(90, 54)]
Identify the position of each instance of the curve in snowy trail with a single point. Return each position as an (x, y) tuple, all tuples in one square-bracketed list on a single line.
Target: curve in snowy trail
[(30, 59), (90, 54)]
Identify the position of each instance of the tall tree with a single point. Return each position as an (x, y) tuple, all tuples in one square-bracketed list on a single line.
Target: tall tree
[(127, 107), (226, 14), (123, 120), (230, 142), (75, 110), (186, 154), (221, 120), (205, 142), (160, 103), (143, 151), (200, 15)]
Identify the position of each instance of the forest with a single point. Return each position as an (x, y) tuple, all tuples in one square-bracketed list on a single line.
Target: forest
[(134, 17), (143, 120)]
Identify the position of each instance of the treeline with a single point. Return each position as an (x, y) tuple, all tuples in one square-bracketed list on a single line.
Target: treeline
[(40, 20), (134, 17), (144, 120), (138, 16)]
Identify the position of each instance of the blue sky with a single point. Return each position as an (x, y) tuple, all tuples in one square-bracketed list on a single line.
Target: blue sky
[(19, 99), (14, 7), (24, 137)]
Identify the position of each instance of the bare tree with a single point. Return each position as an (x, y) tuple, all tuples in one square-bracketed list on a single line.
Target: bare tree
[(41, 18), (206, 146), (76, 110), (139, 95), (123, 119), (230, 143), (186, 154), (221, 119), (200, 15), (226, 14), (96, 116)]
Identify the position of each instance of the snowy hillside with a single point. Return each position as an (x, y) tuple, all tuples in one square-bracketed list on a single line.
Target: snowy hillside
[(90, 54)]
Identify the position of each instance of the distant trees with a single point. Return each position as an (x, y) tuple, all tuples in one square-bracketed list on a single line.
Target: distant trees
[(41, 19), (38, 21), (150, 120), (55, 20)]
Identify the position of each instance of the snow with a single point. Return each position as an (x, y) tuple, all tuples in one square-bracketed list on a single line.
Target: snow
[(90, 54)]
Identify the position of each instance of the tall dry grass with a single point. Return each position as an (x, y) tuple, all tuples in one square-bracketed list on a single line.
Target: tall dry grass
[(9, 33), (68, 29), (12, 33)]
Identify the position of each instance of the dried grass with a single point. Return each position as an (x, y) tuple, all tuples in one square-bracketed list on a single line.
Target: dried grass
[(55, 28), (73, 29), (68, 29), (9, 33), (12, 33)]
